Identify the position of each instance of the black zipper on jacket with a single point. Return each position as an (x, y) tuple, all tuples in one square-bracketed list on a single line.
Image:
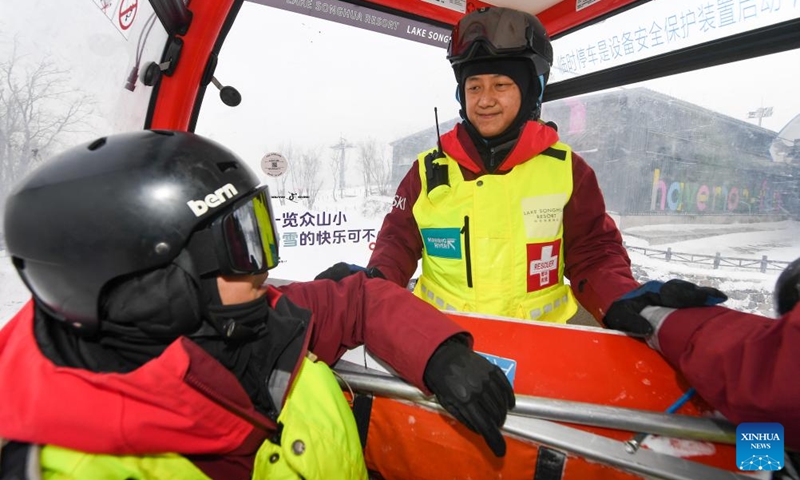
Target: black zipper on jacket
[(465, 231)]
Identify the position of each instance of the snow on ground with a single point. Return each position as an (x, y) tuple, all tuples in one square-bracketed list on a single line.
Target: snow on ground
[(343, 229), (748, 288), (13, 293), (777, 240)]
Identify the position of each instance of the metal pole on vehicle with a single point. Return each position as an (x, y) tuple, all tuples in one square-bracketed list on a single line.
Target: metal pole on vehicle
[(520, 423), (582, 413)]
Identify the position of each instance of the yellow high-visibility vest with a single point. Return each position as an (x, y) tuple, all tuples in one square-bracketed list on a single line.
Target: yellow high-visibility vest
[(320, 438), (495, 245)]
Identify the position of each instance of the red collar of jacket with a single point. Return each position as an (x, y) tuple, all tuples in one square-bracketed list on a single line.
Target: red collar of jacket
[(182, 401), (535, 138)]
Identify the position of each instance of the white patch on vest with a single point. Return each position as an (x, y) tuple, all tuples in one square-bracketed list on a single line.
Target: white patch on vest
[(542, 215)]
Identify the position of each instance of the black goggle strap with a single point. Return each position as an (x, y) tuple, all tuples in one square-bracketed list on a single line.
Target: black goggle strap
[(204, 267), (202, 249), (207, 290)]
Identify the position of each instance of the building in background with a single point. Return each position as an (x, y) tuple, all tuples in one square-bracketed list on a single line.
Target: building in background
[(658, 156)]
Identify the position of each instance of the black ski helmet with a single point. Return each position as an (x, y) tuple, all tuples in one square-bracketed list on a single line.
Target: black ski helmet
[(497, 33), (787, 288), (119, 205)]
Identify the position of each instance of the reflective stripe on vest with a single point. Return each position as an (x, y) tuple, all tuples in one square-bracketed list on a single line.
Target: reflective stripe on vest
[(319, 438), (494, 245)]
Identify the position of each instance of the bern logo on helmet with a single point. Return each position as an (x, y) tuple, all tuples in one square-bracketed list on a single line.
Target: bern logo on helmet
[(212, 200)]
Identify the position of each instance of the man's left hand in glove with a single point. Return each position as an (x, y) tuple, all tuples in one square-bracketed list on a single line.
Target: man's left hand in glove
[(341, 270), (642, 311), (470, 388)]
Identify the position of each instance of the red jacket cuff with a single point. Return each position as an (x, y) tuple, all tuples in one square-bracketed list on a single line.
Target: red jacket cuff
[(677, 331)]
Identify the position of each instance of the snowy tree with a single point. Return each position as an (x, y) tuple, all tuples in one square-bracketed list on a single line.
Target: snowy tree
[(376, 168), (38, 109), (338, 165), (304, 170), (335, 164)]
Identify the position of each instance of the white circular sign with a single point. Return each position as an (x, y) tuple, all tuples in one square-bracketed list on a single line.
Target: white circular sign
[(274, 164)]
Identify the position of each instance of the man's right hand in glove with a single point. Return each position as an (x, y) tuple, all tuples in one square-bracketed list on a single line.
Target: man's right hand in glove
[(470, 388), (642, 311), (342, 270)]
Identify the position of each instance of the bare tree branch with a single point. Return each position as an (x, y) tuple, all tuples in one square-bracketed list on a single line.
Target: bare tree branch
[(311, 181), (37, 108), (375, 168), (305, 174), (335, 164)]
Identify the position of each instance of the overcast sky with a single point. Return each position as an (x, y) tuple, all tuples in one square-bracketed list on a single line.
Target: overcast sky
[(308, 81)]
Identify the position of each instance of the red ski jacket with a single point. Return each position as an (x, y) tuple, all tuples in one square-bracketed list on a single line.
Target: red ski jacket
[(185, 401), (744, 365)]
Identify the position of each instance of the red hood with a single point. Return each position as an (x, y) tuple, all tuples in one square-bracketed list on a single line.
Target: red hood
[(535, 138), (159, 407)]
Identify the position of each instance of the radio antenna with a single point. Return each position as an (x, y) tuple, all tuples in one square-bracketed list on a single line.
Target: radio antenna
[(438, 136)]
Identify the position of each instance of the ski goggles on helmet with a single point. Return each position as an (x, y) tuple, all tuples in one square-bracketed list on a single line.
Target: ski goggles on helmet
[(499, 30), (244, 238)]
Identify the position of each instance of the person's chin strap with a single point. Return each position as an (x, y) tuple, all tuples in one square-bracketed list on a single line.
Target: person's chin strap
[(202, 251)]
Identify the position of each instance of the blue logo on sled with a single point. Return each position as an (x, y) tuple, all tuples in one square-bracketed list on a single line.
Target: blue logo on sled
[(442, 242), (507, 365), (759, 446)]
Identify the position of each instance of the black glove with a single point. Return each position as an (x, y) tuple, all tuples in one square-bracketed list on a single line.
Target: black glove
[(342, 270), (473, 390), (625, 313)]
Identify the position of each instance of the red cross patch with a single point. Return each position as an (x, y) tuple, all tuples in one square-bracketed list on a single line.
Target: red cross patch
[(543, 263)]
